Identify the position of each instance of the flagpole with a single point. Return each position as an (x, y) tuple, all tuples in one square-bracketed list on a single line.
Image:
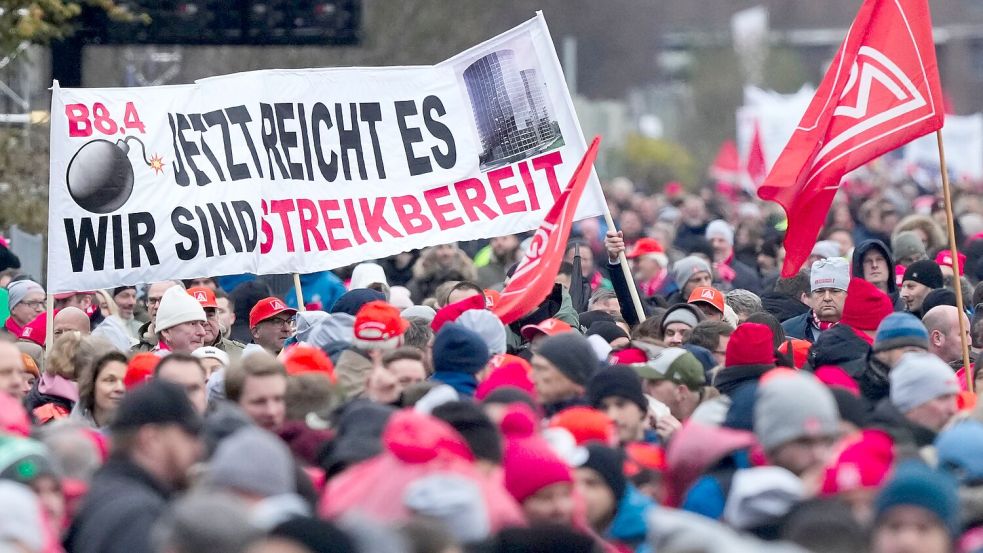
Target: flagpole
[(49, 324), (300, 293), (636, 301), (947, 195)]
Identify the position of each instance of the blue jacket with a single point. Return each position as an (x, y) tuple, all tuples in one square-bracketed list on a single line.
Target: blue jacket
[(323, 287), (629, 526), (463, 384), (708, 495)]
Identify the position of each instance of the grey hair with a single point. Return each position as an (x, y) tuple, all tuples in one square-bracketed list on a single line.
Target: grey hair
[(73, 450), (214, 522), (602, 294), (743, 302)]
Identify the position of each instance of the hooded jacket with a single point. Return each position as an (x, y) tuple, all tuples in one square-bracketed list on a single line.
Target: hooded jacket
[(857, 268), (842, 347), (908, 437)]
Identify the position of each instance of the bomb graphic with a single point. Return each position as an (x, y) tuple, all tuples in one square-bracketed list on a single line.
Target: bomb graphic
[(100, 175)]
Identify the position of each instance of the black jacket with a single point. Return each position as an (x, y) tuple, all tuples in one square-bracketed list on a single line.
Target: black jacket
[(731, 379), (857, 268), (842, 347), (908, 436), (801, 327), (747, 278), (781, 306), (116, 516)]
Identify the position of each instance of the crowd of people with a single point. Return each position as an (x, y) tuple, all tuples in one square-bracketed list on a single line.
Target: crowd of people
[(392, 410)]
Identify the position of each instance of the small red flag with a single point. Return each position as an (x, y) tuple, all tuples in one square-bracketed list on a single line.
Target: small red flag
[(882, 91), (533, 278), (756, 166)]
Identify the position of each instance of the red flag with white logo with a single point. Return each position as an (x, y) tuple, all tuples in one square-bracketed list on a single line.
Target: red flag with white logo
[(533, 278), (882, 91)]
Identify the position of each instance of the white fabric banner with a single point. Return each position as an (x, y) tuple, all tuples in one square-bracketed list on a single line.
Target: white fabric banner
[(963, 139), (305, 170)]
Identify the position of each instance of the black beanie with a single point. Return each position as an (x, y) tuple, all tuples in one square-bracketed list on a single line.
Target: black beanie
[(925, 272), (616, 381), (315, 534), (474, 426), (609, 331), (851, 408), (609, 464), (937, 297), (571, 354)]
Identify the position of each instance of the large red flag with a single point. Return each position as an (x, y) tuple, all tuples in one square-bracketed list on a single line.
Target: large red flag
[(533, 278), (881, 91)]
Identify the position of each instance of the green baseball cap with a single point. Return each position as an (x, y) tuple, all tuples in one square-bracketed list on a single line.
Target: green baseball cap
[(673, 364)]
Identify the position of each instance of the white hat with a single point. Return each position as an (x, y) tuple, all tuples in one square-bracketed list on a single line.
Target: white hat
[(399, 296), (177, 306), (721, 228), (826, 248), (832, 272), (365, 274), (212, 352)]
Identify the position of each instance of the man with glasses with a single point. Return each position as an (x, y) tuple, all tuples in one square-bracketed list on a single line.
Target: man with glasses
[(148, 333), (829, 280), (271, 322), (25, 298), (213, 328)]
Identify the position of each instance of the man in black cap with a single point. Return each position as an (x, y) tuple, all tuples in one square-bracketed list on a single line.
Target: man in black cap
[(561, 366), (920, 278), (155, 443)]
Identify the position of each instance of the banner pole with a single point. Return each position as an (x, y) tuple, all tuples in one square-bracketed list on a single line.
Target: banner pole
[(49, 324), (300, 293), (957, 282), (624, 266)]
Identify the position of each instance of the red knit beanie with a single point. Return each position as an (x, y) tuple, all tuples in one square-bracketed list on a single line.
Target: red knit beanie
[(450, 312), (865, 306), (750, 344), (835, 377), (529, 463)]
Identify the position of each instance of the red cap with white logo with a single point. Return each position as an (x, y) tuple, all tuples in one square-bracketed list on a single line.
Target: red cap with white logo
[(267, 308)]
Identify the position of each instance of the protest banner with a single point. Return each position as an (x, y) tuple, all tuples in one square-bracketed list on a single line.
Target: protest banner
[(296, 171)]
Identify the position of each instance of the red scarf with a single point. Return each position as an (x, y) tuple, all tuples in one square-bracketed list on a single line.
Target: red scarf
[(821, 325), (14, 328), (653, 285)]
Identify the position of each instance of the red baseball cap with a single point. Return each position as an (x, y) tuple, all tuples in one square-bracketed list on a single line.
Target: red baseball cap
[(267, 308), (205, 296), (549, 327), (645, 246), (944, 257), (378, 325), (706, 294)]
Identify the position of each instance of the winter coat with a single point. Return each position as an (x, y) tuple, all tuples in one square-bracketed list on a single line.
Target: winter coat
[(557, 306), (731, 379), (628, 529), (801, 327), (908, 437), (747, 278), (352, 370), (464, 384), (874, 384), (782, 307), (320, 289), (708, 495), (493, 272), (857, 268), (842, 347), (119, 511)]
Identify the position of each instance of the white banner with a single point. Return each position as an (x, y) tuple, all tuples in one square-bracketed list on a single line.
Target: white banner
[(963, 139), (305, 170)]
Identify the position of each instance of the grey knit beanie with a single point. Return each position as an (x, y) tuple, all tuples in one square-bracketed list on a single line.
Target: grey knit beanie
[(254, 461), (686, 267), (794, 406)]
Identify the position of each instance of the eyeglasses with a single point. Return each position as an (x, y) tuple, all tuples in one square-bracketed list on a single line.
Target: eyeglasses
[(280, 321), (36, 304)]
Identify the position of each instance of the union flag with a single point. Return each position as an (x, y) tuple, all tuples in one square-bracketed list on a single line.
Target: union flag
[(881, 91)]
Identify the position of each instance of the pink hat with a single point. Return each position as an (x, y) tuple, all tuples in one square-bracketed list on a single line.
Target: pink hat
[(511, 371), (529, 463), (863, 463)]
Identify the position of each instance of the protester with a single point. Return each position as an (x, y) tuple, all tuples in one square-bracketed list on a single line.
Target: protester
[(561, 367), (155, 443), (100, 390), (920, 278), (188, 372), (180, 322), (125, 298), (25, 300), (155, 294), (678, 322), (830, 279), (271, 323), (258, 386)]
